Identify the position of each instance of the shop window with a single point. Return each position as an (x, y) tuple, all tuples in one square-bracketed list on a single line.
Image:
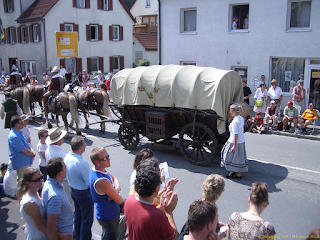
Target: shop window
[(188, 20), (28, 65), (239, 17), (287, 71), (71, 64)]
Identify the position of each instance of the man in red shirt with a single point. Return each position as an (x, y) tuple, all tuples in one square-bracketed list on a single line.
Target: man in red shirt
[(143, 219)]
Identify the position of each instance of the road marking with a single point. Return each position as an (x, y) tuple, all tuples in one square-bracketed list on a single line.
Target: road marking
[(286, 166)]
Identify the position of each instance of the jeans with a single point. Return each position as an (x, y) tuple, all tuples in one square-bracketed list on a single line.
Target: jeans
[(44, 172), (109, 228), (83, 214)]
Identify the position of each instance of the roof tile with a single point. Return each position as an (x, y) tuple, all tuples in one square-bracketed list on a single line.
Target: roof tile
[(150, 42), (38, 8)]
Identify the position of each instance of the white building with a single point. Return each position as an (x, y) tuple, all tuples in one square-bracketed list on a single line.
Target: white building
[(280, 42), (104, 35)]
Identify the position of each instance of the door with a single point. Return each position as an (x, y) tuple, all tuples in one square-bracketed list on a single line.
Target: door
[(13, 61), (313, 94)]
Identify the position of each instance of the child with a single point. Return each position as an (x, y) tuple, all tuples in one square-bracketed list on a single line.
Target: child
[(4, 167), (122, 228), (258, 120), (25, 129), (10, 182), (41, 148)]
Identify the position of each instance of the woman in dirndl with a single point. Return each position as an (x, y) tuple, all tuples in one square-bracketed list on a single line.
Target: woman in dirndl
[(233, 154)]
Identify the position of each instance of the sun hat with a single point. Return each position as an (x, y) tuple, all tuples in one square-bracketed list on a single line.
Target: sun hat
[(99, 71), (273, 101), (55, 69), (55, 135), (290, 103), (24, 117), (300, 81)]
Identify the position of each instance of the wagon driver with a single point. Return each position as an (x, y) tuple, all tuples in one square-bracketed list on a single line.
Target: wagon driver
[(56, 86), (15, 79)]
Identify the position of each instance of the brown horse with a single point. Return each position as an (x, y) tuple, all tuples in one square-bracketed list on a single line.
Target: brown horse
[(62, 104), (94, 99)]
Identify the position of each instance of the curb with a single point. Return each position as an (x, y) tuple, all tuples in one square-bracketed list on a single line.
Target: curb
[(302, 136)]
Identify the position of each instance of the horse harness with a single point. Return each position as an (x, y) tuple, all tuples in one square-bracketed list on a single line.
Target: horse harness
[(90, 99), (56, 104)]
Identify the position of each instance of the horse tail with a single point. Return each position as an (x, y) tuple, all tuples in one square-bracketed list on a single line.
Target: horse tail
[(74, 108), (26, 100), (105, 106)]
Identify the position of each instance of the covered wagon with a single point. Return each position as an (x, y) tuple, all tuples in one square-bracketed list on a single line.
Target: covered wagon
[(174, 103)]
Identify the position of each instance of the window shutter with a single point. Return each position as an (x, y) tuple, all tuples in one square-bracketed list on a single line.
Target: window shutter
[(121, 62), (99, 4), (78, 65), (12, 5), (62, 62), (31, 33), (61, 27), (111, 64), (27, 35), (76, 29), (88, 32), (19, 35), (8, 35), (88, 65), (5, 7), (87, 4), (39, 31), (5, 36), (110, 7), (110, 33), (100, 32), (101, 64), (14, 35), (121, 33), (75, 3)]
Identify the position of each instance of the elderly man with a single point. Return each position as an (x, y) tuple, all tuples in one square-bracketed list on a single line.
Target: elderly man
[(56, 86), (78, 178), (10, 107), (308, 116), (298, 93), (202, 221), (20, 153), (290, 113), (272, 114), (275, 92), (55, 202)]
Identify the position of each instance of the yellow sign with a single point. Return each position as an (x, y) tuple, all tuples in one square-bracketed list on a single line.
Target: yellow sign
[(315, 74), (67, 44)]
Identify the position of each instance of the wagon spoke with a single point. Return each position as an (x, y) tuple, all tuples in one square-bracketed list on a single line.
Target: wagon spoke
[(191, 152), (205, 133), (203, 158), (197, 153)]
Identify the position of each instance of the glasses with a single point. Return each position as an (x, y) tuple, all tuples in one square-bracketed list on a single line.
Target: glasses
[(104, 159), (45, 136), (37, 179)]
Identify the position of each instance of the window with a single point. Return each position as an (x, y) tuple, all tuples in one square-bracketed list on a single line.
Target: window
[(23, 35), (188, 63), (8, 5), (116, 63), (68, 27), (81, 3), (31, 65), (94, 64), (11, 35), (105, 4), (115, 32), (239, 17), (93, 32), (242, 71), (138, 56), (287, 71), (35, 33), (299, 13), (71, 64), (148, 4), (188, 20)]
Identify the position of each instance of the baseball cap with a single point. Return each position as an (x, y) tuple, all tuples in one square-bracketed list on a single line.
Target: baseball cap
[(290, 103)]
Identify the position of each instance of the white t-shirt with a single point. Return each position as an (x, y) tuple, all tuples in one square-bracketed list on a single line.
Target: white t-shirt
[(236, 127), (26, 132), (234, 25), (275, 93), (42, 148), (10, 182)]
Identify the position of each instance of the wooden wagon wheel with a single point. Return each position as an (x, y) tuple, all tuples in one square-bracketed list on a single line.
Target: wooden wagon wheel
[(199, 148), (128, 135)]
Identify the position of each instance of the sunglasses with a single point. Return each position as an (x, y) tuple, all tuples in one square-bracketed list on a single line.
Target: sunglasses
[(45, 136), (37, 179), (104, 159)]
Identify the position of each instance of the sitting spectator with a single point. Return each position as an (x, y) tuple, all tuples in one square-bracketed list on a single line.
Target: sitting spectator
[(258, 121), (143, 219), (249, 225), (290, 113), (272, 114), (202, 221), (4, 167), (212, 188), (308, 116), (105, 191), (10, 182)]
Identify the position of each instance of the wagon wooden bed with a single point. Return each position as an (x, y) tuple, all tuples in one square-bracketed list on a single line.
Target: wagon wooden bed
[(168, 104)]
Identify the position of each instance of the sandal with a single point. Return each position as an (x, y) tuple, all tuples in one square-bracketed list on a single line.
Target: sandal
[(231, 175)]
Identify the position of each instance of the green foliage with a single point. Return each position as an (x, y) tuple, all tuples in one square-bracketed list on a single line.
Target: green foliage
[(143, 62), (129, 3)]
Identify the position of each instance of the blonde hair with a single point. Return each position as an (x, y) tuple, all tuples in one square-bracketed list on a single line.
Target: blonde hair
[(237, 108), (94, 155), (212, 187)]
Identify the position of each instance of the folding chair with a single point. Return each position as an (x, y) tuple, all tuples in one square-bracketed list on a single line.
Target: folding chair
[(315, 122)]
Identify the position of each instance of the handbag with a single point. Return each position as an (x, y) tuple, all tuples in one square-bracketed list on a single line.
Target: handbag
[(259, 103)]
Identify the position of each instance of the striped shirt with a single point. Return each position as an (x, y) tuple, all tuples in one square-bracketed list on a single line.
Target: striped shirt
[(55, 201)]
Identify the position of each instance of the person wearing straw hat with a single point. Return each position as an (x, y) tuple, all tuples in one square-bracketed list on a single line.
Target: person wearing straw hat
[(15, 79), (25, 130), (298, 93), (54, 141), (10, 107)]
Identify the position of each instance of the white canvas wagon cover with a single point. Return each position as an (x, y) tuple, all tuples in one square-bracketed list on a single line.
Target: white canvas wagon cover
[(191, 87)]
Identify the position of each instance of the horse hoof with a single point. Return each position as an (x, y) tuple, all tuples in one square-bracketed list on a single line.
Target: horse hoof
[(79, 133), (103, 131), (49, 125), (87, 127), (66, 136)]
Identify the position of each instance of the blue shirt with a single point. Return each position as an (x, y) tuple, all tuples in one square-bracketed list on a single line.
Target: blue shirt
[(55, 201), (77, 171), (17, 142)]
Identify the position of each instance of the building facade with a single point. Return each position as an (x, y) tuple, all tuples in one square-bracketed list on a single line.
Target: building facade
[(275, 38)]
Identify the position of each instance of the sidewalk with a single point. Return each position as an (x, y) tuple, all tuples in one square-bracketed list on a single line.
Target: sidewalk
[(290, 133)]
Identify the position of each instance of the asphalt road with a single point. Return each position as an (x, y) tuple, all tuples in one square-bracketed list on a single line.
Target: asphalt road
[(289, 166)]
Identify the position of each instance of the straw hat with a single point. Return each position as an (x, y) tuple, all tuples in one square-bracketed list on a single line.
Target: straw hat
[(55, 69), (24, 117), (99, 71), (55, 135)]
